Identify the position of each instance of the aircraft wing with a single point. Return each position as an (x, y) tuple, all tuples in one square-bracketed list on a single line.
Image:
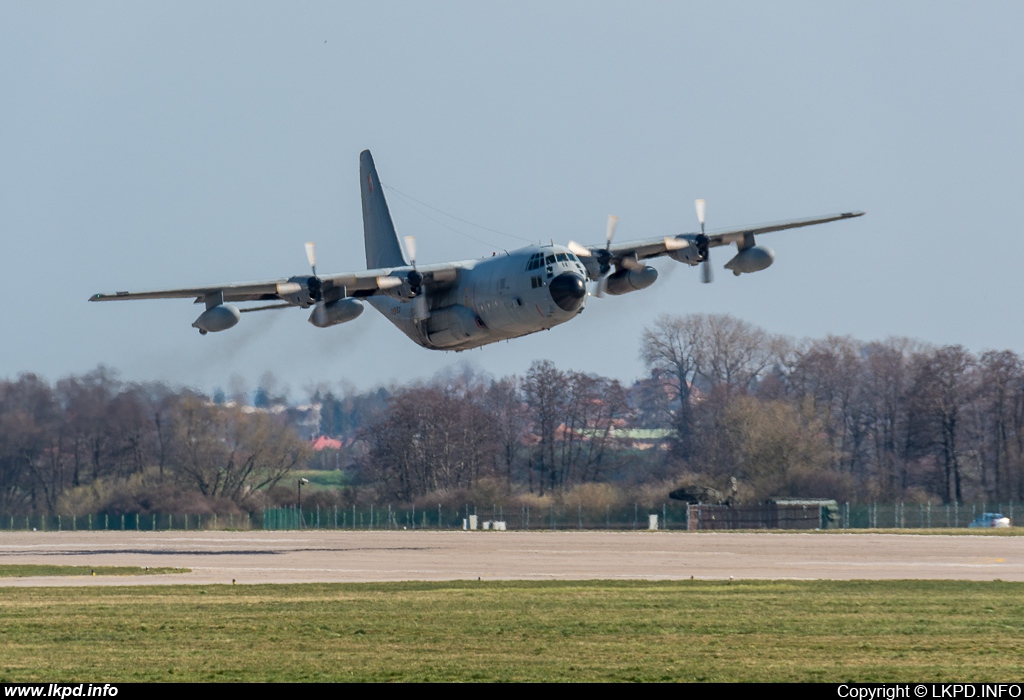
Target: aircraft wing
[(655, 247), (296, 290)]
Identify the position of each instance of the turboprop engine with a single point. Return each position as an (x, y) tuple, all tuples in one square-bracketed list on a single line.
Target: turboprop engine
[(752, 259), (335, 312), (625, 280), (217, 318)]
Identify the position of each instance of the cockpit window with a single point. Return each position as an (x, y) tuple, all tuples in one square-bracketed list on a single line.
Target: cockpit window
[(560, 257), (551, 260)]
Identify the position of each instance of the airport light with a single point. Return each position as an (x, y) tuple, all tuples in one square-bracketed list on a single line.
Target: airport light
[(301, 482)]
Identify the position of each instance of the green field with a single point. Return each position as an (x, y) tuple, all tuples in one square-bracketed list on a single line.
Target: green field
[(22, 570), (319, 478), (596, 631)]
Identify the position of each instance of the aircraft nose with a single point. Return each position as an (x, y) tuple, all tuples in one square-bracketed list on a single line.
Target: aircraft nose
[(568, 291)]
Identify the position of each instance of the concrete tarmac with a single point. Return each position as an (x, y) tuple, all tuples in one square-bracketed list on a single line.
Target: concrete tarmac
[(345, 556)]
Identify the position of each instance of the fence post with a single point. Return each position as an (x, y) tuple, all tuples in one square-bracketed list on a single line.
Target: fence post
[(664, 516), (635, 515), (439, 516), (73, 523), (579, 514)]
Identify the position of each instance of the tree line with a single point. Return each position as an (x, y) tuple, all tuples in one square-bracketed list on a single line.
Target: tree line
[(722, 400)]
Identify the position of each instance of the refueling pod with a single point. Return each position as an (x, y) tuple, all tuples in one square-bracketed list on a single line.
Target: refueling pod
[(217, 318), (335, 312), (752, 259)]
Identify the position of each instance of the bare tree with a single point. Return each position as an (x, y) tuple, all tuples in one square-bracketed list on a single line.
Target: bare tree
[(671, 349), (226, 452), (433, 438)]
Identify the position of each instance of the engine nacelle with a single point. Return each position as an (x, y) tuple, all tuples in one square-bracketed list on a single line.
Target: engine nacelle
[(752, 259), (217, 318), (625, 281), (688, 255), (454, 325), (335, 312), (297, 290)]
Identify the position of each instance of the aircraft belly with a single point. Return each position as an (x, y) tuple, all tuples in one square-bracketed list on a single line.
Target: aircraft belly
[(396, 312)]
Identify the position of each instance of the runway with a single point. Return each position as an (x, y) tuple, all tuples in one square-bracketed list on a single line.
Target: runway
[(332, 556)]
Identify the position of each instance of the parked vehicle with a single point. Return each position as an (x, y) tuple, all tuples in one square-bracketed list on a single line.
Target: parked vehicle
[(990, 520)]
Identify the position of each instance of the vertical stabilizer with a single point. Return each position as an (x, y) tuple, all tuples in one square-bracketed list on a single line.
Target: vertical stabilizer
[(382, 247)]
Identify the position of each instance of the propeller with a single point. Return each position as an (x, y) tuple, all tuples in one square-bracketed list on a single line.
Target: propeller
[(314, 284), (603, 256), (421, 309), (701, 241)]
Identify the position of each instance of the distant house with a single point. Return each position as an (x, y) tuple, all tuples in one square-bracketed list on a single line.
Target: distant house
[(325, 443)]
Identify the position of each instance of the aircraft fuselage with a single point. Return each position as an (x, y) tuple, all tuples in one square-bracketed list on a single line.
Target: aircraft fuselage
[(498, 298)]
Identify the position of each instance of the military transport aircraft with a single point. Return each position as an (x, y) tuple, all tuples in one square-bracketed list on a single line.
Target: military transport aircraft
[(466, 304)]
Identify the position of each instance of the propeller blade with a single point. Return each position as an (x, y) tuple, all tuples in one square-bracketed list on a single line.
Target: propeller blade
[(673, 243), (579, 250), (388, 282), (701, 211), (410, 248), (420, 309), (612, 221), (705, 269), (311, 256)]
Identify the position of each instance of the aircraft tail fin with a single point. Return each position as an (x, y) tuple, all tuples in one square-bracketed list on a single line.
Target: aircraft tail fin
[(382, 247)]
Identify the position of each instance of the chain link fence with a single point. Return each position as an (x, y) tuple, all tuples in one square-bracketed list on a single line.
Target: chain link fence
[(671, 515)]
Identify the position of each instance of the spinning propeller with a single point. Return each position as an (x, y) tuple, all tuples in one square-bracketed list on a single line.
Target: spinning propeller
[(603, 256), (701, 241), (421, 310), (314, 284)]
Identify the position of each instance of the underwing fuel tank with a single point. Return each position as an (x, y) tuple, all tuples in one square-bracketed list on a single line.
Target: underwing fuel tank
[(335, 312), (217, 318), (752, 259), (625, 281)]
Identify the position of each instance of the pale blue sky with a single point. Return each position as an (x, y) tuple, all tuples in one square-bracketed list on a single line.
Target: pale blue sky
[(148, 146)]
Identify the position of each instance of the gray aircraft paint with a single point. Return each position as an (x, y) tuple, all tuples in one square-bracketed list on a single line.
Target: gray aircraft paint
[(382, 247), (470, 303)]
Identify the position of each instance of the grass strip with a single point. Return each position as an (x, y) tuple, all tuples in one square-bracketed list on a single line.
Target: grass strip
[(22, 570), (838, 631)]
